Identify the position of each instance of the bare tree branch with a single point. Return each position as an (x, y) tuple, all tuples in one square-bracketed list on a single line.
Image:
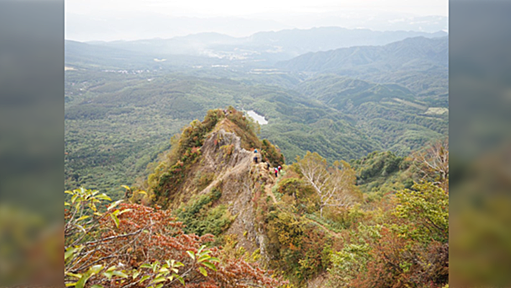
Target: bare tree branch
[(332, 184)]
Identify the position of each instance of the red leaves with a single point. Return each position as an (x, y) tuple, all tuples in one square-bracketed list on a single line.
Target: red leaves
[(146, 235)]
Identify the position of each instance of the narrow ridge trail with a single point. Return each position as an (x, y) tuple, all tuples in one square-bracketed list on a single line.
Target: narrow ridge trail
[(267, 189)]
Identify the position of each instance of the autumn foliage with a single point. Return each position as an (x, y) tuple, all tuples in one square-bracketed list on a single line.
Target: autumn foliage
[(312, 222), (131, 245), (404, 246)]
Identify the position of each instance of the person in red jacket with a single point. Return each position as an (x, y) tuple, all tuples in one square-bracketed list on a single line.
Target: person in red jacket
[(276, 172)]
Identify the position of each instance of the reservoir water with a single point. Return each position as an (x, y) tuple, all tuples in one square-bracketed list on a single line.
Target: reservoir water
[(258, 118)]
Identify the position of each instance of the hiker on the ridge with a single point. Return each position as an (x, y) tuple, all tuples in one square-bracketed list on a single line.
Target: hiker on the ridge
[(255, 156), (276, 172), (267, 166)]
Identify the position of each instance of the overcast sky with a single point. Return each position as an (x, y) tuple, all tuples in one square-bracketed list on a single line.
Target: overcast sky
[(246, 8), (98, 19)]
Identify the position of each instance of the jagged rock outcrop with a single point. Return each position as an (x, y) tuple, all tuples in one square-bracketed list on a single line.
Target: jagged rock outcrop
[(212, 183), (231, 170), (238, 177)]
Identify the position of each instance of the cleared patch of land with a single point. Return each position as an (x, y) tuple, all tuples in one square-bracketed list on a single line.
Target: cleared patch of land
[(436, 111), (410, 103)]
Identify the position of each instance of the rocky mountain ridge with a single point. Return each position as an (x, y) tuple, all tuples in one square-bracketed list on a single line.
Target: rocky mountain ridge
[(223, 164)]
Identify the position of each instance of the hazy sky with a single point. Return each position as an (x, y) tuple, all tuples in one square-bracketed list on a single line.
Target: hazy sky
[(115, 19), (246, 8)]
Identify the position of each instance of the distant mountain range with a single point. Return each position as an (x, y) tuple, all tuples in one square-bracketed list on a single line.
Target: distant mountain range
[(266, 46), (418, 53), (419, 64)]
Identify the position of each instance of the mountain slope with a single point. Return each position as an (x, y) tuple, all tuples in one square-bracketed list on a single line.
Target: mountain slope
[(338, 92), (419, 64), (213, 163), (389, 114), (417, 53)]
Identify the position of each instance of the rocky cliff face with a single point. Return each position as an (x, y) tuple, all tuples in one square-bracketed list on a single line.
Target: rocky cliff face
[(238, 177)]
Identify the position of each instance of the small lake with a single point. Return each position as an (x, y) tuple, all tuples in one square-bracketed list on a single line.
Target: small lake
[(258, 118)]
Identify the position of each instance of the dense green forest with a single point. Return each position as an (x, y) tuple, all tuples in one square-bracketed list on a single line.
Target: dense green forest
[(117, 123)]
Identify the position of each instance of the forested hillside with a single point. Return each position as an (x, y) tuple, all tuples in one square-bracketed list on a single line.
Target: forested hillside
[(419, 64), (116, 123)]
